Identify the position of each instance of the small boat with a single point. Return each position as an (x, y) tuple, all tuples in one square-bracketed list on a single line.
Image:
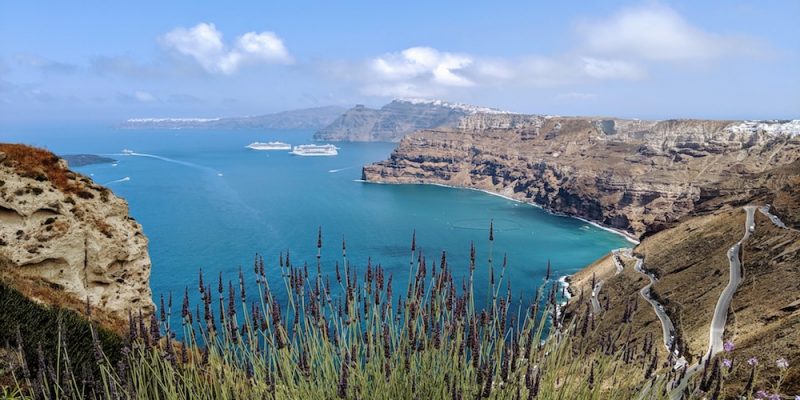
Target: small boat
[(315, 150), (269, 146), (127, 151)]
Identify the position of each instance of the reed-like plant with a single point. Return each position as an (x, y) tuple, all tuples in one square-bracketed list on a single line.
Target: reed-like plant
[(356, 338)]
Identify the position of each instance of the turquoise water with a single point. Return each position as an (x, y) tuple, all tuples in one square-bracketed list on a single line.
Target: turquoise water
[(207, 202)]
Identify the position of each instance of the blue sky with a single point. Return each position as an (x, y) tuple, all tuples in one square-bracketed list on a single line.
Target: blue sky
[(93, 60)]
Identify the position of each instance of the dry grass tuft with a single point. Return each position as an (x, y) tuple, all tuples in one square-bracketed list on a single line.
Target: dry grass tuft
[(41, 165)]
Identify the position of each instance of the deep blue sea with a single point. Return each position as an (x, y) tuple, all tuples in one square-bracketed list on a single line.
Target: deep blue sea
[(205, 201)]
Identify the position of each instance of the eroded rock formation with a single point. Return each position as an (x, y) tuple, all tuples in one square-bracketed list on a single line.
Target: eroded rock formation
[(65, 240)]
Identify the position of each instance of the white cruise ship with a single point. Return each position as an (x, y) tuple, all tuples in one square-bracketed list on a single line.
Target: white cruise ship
[(315, 150), (269, 146)]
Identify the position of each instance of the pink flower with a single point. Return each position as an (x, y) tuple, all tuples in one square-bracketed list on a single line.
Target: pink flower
[(752, 361), (728, 346), (782, 363)]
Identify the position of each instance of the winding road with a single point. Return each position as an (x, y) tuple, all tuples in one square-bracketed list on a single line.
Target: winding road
[(599, 284), (667, 329), (595, 292), (720, 317)]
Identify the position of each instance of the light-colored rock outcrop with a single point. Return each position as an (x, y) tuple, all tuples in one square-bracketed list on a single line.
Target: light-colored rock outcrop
[(60, 231)]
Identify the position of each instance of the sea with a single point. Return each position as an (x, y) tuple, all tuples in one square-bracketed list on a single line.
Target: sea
[(205, 201)]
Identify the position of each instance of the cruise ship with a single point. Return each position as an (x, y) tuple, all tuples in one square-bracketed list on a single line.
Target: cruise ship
[(315, 150), (269, 146)]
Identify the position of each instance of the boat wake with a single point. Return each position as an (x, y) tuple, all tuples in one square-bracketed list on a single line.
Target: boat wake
[(333, 171), (167, 159), (125, 179)]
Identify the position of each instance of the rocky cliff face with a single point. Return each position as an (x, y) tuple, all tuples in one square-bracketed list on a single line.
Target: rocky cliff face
[(637, 176), (65, 240), (395, 120)]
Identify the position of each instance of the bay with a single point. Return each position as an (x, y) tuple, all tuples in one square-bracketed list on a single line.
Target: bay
[(205, 201)]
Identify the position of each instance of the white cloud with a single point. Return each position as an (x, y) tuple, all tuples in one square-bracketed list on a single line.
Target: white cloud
[(266, 46), (204, 44), (657, 33), (428, 72), (45, 65), (402, 89), (144, 97), (580, 96), (137, 97), (622, 46), (611, 69), (424, 64)]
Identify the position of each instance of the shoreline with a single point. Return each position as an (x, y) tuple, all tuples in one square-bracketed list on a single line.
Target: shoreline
[(630, 238), (563, 281)]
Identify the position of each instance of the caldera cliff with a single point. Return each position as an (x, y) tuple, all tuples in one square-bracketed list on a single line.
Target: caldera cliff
[(636, 176), (716, 205), (65, 241)]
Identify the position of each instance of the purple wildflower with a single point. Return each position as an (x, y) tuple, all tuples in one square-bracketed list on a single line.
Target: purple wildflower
[(728, 346), (727, 363), (761, 394), (782, 363), (774, 396), (752, 361)]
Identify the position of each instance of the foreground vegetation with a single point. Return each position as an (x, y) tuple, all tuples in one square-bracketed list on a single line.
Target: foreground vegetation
[(349, 334)]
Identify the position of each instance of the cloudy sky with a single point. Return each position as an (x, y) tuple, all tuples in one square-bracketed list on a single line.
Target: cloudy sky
[(100, 60)]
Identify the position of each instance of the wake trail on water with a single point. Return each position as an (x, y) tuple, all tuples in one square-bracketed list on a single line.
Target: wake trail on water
[(333, 171), (125, 179), (170, 160), (233, 195)]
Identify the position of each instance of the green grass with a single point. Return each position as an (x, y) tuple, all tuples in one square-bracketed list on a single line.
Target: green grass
[(32, 326)]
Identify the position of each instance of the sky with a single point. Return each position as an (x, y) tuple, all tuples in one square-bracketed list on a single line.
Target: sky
[(107, 61)]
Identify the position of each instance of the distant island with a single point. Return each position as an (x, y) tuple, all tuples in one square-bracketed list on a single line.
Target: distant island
[(308, 118), (80, 160), (393, 121)]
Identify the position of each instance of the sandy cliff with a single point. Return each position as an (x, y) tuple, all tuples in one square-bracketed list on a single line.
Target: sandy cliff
[(64, 239)]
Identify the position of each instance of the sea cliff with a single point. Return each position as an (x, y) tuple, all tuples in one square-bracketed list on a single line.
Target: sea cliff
[(67, 242), (633, 175)]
